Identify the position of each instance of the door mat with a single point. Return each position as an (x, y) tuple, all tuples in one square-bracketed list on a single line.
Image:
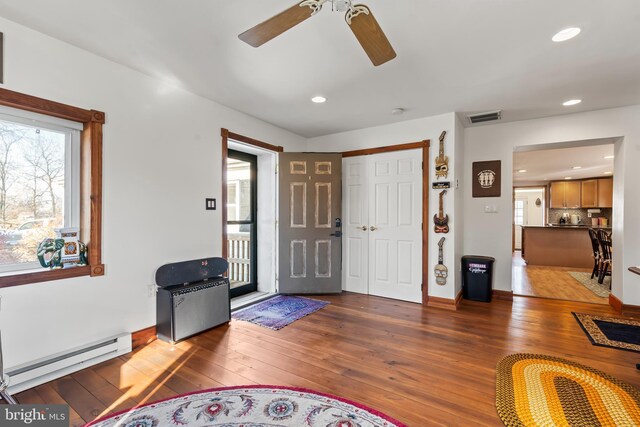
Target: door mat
[(538, 390), (601, 290), (277, 312), (611, 331)]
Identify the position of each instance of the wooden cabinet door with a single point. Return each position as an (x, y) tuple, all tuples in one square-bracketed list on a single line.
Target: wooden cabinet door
[(605, 193), (589, 193), (557, 195), (572, 194)]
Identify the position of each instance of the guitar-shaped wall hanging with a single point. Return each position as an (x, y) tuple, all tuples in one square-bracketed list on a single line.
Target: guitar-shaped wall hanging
[(442, 161), (440, 219), (441, 271)]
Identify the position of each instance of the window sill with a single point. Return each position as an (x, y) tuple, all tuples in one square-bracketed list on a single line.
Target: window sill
[(26, 278)]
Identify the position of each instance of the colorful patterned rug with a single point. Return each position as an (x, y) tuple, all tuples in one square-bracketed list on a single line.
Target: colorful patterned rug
[(536, 390), (611, 331), (277, 312), (601, 290), (251, 406)]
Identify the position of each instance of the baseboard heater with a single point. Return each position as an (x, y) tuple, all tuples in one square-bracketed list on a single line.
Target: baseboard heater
[(40, 371)]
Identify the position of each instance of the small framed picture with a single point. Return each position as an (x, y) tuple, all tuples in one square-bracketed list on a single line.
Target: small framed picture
[(486, 179)]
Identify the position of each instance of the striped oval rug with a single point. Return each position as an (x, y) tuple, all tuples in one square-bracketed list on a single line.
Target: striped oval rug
[(537, 390)]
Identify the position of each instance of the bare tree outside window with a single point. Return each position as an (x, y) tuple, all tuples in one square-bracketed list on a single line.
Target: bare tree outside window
[(32, 189)]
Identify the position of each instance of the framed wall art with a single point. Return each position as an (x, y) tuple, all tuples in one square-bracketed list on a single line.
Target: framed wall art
[(486, 179)]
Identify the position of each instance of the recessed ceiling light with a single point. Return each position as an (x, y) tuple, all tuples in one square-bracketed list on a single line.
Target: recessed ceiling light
[(567, 177), (576, 167), (566, 34), (522, 171), (609, 157), (572, 102), (608, 173), (318, 99)]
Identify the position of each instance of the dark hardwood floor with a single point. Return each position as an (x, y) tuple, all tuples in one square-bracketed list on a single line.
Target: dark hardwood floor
[(423, 366)]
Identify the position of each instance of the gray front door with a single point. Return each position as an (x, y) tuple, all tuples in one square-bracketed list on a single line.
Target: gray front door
[(310, 246)]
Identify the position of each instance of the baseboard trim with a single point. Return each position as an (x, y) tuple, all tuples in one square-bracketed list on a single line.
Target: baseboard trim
[(624, 309), (143, 337), (445, 303), (615, 303), (458, 299), (502, 295)]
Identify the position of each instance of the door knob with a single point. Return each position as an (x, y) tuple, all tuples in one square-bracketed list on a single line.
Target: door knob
[(363, 228), (373, 228)]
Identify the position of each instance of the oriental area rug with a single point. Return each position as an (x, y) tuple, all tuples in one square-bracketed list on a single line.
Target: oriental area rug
[(251, 406), (608, 331), (279, 311), (537, 390)]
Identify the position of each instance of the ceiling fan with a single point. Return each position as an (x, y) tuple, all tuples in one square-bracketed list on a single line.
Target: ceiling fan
[(358, 17)]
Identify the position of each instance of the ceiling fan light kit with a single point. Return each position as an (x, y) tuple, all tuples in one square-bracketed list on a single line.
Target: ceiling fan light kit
[(358, 17)]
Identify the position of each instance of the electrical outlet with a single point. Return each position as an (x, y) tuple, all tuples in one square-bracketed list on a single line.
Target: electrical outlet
[(589, 215), (151, 291)]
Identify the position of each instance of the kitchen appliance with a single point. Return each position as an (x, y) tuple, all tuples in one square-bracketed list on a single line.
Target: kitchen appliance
[(575, 219), (192, 297), (564, 219)]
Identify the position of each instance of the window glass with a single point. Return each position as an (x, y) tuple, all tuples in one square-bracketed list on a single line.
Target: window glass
[(35, 188)]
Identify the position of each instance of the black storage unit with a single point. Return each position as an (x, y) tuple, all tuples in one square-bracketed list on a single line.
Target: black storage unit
[(477, 277), (198, 303)]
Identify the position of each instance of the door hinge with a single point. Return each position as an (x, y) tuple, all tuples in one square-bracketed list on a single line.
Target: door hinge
[(422, 286), (277, 168)]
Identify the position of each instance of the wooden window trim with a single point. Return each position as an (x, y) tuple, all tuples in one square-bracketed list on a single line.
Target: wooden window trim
[(90, 184)]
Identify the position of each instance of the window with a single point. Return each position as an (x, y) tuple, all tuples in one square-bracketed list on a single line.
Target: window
[(50, 176), (518, 212), (39, 184)]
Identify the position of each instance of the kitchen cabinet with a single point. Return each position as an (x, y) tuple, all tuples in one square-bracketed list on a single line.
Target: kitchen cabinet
[(565, 194), (589, 193), (605, 193)]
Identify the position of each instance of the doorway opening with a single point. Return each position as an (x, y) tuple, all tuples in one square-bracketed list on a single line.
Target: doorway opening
[(529, 209), (261, 259), (562, 199), (242, 209)]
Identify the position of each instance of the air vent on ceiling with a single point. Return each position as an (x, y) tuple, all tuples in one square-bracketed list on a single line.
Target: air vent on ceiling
[(485, 117)]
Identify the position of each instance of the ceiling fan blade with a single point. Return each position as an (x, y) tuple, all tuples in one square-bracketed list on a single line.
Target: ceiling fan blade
[(273, 27), (370, 35)]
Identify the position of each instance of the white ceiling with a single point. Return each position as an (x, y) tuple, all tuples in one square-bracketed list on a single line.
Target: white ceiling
[(453, 55), (557, 164)]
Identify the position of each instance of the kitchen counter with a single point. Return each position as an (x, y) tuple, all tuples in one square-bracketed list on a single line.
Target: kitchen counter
[(557, 245), (569, 226)]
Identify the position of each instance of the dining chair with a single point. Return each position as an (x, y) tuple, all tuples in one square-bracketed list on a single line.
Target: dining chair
[(597, 254), (604, 239)]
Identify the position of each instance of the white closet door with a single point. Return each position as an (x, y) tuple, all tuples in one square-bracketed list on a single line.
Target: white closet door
[(395, 225), (355, 225)]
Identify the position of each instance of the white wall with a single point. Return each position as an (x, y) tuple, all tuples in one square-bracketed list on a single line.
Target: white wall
[(490, 234), (414, 131), (535, 214), (457, 185), (162, 157)]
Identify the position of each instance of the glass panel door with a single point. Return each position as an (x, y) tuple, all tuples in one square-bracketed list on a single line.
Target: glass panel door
[(242, 222)]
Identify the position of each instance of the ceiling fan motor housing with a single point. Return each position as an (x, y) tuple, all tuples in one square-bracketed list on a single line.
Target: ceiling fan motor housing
[(341, 5)]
